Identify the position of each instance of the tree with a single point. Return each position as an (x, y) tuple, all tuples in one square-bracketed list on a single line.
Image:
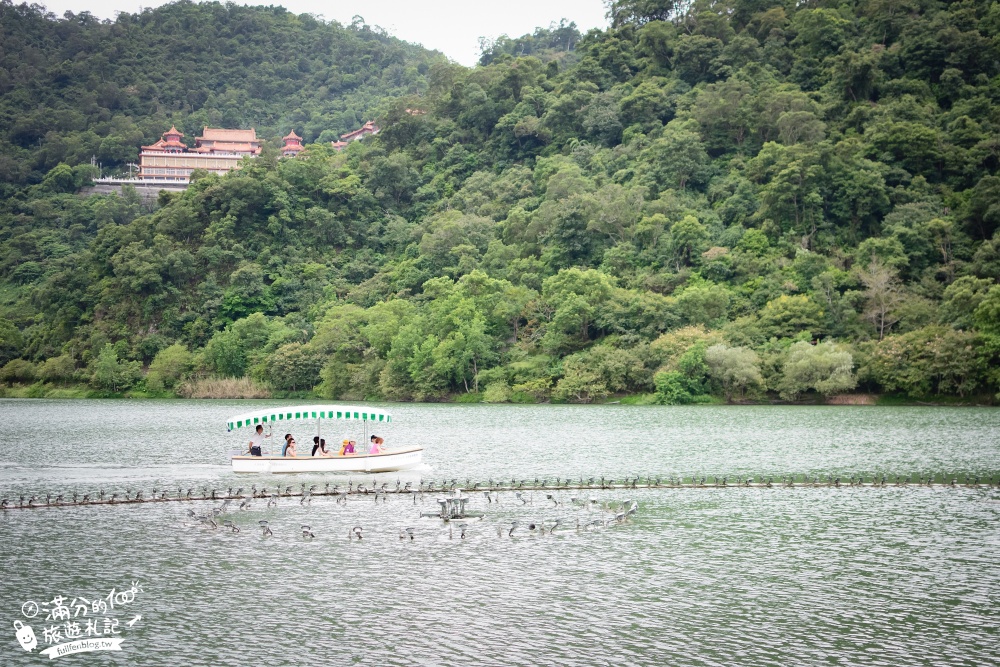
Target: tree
[(247, 293), (931, 360), (11, 340), (800, 126), (621, 12), (580, 382), (882, 296), (675, 160), (987, 314), (788, 316), (736, 165), (57, 369), (18, 370), (292, 367), (791, 180), (688, 239), (575, 296), (826, 368), (705, 304), (961, 299), (168, 367), (113, 374), (737, 368)]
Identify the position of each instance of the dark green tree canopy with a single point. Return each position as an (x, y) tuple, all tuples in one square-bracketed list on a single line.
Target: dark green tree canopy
[(703, 198)]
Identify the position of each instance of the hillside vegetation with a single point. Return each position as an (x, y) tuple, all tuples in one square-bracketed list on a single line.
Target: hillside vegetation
[(710, 201), (77, 88)]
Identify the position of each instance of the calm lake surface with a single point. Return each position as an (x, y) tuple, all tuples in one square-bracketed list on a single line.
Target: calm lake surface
[(700, 576)]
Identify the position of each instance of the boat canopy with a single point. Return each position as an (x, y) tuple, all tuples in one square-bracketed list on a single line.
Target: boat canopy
[(318, 412)]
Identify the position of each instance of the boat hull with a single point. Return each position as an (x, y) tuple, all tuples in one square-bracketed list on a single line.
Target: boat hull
[(389, 461)]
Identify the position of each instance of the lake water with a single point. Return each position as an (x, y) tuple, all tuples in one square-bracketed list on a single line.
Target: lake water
[(897, 575)]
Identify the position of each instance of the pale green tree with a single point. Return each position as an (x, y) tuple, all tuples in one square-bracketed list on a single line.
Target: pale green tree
[(736, 368), (826, 368), (882, 296)]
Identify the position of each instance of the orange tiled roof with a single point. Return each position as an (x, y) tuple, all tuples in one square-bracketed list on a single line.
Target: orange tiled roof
[(220, 134), (227, 147), (163, 145), (291, 135), (369, 127)]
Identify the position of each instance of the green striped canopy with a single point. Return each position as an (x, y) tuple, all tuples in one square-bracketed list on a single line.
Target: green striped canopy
[(345, 412)]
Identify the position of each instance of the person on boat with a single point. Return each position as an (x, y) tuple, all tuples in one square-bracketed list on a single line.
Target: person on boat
[(289, 448), (376, 447), (257, 441), (319, 449), (347, 448), (315, 445)]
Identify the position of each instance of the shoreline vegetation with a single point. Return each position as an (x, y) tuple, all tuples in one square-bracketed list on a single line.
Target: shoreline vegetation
[(703, 202), (246, 388)]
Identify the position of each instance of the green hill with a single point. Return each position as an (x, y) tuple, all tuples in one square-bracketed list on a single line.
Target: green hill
[(76, 87), (733, 199)]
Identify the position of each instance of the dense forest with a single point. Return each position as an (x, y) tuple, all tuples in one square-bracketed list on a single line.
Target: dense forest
[(734, 200)]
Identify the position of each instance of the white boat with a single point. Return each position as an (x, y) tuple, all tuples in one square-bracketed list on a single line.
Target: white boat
[(387, 460)]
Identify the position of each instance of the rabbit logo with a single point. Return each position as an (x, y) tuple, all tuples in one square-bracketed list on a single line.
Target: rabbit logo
[(25, 636)]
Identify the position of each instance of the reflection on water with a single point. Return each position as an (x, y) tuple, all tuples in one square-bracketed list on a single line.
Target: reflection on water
[(699, 577)]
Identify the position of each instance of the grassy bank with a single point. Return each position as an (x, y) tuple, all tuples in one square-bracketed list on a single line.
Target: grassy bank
[(244, 388)]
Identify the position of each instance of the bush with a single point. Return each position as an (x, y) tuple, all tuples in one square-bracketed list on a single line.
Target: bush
[(497, 392), (17, 370), (672, 388), (538, 390), (57, 369)]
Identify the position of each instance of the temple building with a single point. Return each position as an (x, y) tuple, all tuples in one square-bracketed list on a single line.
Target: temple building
[(215, 140), (291, 144), (217, 150), (366, 130)]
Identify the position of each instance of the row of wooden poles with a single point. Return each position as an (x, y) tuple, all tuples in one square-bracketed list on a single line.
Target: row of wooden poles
[(307, 491)]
